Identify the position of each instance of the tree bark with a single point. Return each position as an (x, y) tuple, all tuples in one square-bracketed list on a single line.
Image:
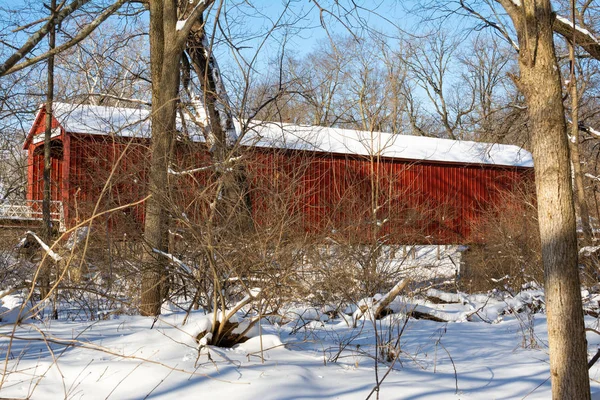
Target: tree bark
[(167, 42), (580, 201), (165, 57), (541, 84), (44, 276), (586, 41), (235, 205)]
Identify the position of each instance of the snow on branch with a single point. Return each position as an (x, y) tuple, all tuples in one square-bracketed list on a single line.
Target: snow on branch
[(180, 24), (595, 178), (174, 259), (190, 171), (589, 250), (218, 166), (183, 27), (582, 36), (252, 294), (561, 25), (578, 28), (586, 128), (44, 246), (590, 130), (126, 99)]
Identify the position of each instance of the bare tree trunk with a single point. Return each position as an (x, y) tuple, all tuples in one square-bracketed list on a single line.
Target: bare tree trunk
[(167, 43), (236, 201), (540, 82), (580, 201), (165, 85), (44, 276)]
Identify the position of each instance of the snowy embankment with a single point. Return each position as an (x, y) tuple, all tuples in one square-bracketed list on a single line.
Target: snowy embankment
[(308, 354)]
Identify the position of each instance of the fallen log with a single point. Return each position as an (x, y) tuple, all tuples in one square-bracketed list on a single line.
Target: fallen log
[(422, 315), (382, 304)]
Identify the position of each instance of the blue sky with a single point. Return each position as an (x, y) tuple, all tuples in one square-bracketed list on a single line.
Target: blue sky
[(300, 22), (300, 25)]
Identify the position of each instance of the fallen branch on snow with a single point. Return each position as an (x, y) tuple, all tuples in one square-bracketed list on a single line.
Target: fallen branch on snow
[(44, 246), (382, 304)]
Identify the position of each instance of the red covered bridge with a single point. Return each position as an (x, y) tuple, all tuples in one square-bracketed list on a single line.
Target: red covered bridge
[(326, 180)]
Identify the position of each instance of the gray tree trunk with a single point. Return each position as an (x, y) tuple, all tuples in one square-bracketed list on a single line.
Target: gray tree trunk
[(540, 82), (165, 57), (235, 204), (166, 48), (44, 276)]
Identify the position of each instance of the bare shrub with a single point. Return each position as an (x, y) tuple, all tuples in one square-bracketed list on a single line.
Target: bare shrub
[(510, 255)]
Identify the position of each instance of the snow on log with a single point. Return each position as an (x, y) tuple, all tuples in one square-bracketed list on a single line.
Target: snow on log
[(377, 309), (222, 328), (437, 296)]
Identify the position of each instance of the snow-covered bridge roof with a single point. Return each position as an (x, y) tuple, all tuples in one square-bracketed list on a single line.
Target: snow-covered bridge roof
[(99, 120), (347, 141)]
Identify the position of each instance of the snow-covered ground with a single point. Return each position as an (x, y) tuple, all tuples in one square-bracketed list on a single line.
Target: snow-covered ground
[(128, 358), (494, 346)]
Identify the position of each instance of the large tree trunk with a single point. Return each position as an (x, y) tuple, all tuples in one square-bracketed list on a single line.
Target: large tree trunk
[(540, 82), (165, 55), (167, 42)]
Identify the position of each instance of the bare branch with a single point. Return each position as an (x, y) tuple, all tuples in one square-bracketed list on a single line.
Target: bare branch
[(9, 68), (491, 24), (39, 35), (126, 99), (191, 19), (581, 36)]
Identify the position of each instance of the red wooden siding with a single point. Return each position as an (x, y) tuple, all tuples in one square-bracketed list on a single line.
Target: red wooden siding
[(107, 172), (353, 198), (35, 165), (357, 198)]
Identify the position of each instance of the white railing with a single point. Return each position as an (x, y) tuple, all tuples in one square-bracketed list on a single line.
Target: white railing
[(32, 210)]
